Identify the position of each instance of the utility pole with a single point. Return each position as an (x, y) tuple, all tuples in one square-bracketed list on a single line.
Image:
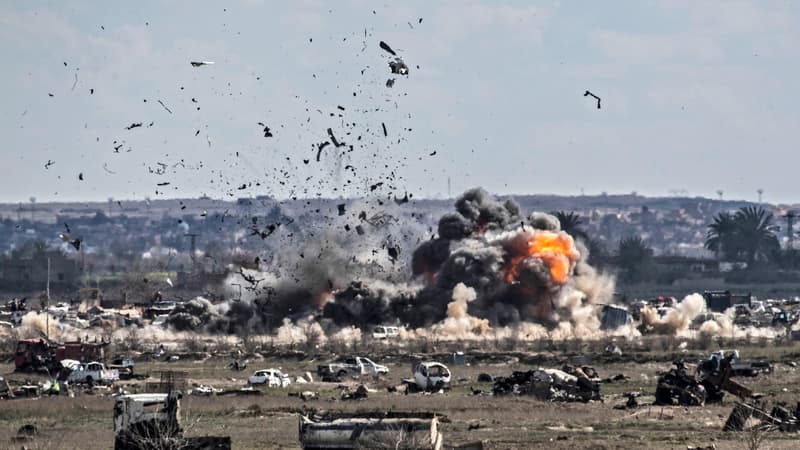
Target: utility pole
[(193, 238), (760, 193), (47, 308), (790, 215)]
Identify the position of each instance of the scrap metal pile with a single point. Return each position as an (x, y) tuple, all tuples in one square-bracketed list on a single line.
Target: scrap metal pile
[(570, 384)]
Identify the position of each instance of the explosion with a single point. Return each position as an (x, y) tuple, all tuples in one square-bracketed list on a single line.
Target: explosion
[(508, 269), (556, 249)]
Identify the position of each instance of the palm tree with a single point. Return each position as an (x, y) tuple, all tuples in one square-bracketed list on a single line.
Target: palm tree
[(748, 235), (635, 258), (571, 224), (721, 237), (756, 233)]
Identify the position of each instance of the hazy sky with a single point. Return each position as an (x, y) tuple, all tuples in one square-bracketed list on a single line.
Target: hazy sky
[(696, 96)]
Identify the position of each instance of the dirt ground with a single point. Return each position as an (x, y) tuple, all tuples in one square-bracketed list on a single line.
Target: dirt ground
[(270, 420)]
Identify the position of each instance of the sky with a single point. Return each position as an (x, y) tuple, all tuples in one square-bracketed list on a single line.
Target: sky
[(697, 97)]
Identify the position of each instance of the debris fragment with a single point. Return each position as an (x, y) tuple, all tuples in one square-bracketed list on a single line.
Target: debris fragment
[(201, 63), (161, 103), (399, 67), (386, 47), (267, 132), (320, 147), (134, 125), (341, 208), (49, 163), (587, 93), (384, 129)]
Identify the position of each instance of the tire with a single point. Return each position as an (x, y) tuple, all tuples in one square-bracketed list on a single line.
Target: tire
[(89, 380)]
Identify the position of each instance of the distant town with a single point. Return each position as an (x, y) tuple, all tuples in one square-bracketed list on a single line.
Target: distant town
[(131, 249)]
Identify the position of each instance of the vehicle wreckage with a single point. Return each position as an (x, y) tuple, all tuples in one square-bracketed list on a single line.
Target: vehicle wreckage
[(570, 384), (707, 384), (379, 430), (150, 421)]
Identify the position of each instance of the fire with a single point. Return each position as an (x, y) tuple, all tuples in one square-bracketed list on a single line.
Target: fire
[(556, 249)]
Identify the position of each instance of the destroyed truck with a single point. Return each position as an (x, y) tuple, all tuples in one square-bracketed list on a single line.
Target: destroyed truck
[(151, 421), (43, 354), (739, 367), (380, 430), (90, 373), (708, 384)]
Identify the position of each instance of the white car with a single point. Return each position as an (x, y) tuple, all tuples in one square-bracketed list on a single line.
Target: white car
[(431, 375), (385, 332), (270, 377)]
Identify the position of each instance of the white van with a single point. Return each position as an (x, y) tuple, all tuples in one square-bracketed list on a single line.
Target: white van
[(385, 332)]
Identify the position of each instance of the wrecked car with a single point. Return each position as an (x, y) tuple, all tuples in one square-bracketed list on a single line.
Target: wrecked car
[(269, 377), (430, 376)]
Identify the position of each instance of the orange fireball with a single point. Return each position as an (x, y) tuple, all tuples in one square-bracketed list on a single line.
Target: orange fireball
[(555, 248)]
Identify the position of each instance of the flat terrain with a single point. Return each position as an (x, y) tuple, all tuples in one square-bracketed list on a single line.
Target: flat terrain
[(270, 420)]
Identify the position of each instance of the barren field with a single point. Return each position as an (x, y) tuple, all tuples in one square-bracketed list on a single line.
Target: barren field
[(269, 420)]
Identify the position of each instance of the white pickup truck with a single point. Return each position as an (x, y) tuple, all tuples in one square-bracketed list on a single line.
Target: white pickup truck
[(91, 373), (350, 366)]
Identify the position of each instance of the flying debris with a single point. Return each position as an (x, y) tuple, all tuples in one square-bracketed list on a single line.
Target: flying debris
[(384, 129), (134, 125), (80, 176), (267, 132), (105, 167), (390, 82), (386, 47), (69, 239), (587, 93), (169, 282), (165, 106), (399, 67), (201, 63), (341, 208), (333, 139), (320, 147), (49, 163), (400, 201), (375, 186)]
